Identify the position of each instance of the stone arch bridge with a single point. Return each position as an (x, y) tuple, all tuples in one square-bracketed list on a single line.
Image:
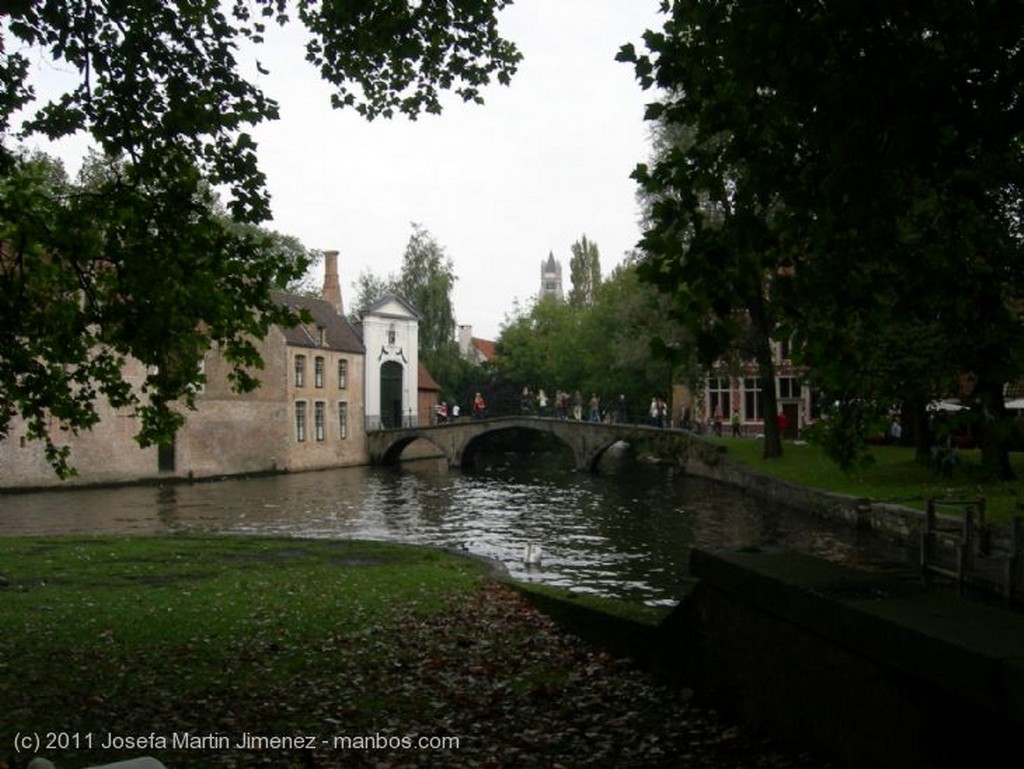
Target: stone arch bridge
[(587, 440)]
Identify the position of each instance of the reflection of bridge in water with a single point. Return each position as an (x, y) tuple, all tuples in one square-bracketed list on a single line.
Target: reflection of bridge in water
[(459, 440)]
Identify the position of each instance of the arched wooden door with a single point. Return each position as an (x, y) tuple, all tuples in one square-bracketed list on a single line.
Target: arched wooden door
[(391, 394)]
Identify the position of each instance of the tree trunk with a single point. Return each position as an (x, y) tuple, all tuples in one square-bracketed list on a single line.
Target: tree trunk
[(915, 415), (772, 433), (766, 371), (993, 431)]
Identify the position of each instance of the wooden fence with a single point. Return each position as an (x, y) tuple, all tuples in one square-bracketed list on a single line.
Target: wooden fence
[(969, 550)]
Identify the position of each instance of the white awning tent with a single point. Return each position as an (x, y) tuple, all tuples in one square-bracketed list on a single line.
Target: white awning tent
[(948, 404), (952, 404)]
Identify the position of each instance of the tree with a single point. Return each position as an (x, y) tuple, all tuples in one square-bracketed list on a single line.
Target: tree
[(540, 347), (427, 280), (370, 287), (584, 271), (871, 177), (636, 348), (623, 344), (709, 240), (142, 266)]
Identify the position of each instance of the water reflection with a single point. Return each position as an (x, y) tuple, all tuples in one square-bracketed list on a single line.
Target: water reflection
[(624, 535)]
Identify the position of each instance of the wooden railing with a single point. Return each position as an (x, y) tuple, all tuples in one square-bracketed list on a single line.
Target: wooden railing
[(966, 549)]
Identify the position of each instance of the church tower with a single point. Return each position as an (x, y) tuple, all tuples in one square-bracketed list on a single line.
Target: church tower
[(551, 278)]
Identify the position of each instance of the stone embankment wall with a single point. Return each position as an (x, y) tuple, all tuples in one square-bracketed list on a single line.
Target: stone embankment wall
[(867, 670), (901, 523)]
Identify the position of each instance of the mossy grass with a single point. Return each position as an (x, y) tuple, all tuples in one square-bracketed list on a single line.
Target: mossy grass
[(893, 475), (95, 625), (633, 611)]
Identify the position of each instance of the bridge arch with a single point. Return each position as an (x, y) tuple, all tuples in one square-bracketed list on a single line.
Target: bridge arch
[(466, 452)]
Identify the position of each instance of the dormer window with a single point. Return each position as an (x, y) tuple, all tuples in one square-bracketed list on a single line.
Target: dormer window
[(321, 336)]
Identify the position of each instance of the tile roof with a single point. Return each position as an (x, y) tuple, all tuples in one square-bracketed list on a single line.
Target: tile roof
[(388, 299), (338, 332), (486, 347), (426, 381)]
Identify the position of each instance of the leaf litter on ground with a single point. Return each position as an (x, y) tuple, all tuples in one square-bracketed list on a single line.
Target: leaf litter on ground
[(484, 667)]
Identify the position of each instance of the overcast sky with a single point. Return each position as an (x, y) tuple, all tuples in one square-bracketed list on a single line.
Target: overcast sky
[(501, 185)]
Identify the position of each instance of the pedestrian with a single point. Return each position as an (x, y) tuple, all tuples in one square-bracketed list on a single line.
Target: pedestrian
[(577, 406), (542, 402), (896, 430), (735, 421), (455, 411), (561, 404), (479, 407), (595, 408)]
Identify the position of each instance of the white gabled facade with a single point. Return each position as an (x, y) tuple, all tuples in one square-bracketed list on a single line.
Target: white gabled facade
[(391, 338)]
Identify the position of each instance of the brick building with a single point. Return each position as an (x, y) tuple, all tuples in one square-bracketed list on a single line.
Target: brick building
[(309, 412)]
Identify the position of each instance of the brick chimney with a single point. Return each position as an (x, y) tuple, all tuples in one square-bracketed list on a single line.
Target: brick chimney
[(332, 286)]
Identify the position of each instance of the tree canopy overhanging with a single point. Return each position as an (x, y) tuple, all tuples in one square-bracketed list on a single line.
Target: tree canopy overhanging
[(141, 263), (850, 176)]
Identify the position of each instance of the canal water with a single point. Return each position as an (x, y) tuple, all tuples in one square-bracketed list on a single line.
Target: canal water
[(623, 535)]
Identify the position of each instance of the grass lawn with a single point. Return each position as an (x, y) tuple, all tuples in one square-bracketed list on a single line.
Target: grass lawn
[(329, 654), (894, 476)]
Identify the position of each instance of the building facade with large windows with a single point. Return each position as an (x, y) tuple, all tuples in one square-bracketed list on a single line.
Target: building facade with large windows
[(732, 389)]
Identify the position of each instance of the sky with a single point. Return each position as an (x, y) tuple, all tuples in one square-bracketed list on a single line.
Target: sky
[(543, 162)]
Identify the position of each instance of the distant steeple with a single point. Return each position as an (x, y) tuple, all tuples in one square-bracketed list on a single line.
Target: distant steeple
[(551, 277), (332, 285)]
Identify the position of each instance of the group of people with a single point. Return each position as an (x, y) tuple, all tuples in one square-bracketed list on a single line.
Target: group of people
[(444, 413), (564, 404), (574, 406)]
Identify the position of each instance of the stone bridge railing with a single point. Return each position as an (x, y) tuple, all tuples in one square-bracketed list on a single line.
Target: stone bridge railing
[(587, 440)]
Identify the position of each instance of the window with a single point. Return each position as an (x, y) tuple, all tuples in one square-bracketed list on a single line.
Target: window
[(300, 421), (321, 336), (391, 334), (789, 388), (342, 374), (719, 397), (318, 372), (319, 424), (300, 370), (752, 398), (343, 420)]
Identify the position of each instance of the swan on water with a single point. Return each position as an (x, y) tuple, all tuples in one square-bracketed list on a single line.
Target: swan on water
[(532, 555)]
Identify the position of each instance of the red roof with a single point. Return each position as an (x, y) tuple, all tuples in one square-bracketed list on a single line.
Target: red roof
[(426, 382), (486, 347)]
